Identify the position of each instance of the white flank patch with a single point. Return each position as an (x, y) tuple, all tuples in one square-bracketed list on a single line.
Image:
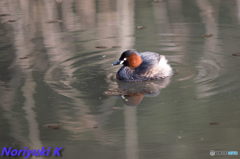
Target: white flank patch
[(164, 67)]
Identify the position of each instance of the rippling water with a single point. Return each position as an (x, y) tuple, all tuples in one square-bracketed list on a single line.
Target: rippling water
[(51, 72)]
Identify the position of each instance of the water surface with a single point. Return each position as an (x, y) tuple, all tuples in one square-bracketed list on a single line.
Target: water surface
[(52, 73)]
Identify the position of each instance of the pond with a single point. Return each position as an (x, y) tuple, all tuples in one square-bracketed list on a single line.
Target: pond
[(55, 69)]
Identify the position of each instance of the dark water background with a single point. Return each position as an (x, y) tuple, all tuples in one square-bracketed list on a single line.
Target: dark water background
[(52, 73)]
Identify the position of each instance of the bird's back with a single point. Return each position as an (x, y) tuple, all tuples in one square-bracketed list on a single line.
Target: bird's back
[(150, 60)]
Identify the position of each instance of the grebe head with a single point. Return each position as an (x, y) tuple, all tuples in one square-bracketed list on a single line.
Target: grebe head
[(129, 58)]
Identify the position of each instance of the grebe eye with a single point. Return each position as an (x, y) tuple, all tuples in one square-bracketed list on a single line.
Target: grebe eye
[(125, 59)]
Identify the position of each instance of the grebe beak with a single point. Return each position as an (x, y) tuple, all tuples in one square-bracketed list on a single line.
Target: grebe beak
[(119, 62)]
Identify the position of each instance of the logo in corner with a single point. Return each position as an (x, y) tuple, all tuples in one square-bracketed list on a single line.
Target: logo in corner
[(212, 152)]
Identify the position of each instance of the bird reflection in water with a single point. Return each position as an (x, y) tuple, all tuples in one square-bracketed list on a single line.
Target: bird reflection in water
[(132, 93)]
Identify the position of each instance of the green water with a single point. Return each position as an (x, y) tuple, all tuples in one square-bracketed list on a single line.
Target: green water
[(52, 73)]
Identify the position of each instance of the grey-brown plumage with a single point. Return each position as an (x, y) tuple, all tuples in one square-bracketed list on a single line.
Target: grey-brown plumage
[(153, 66)]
